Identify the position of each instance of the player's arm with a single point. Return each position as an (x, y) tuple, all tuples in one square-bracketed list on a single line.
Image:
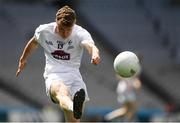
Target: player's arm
[(29, 48), (93, 51), (137, 83)]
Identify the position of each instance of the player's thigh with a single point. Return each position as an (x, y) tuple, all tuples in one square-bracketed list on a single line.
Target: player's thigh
[(58, 88)]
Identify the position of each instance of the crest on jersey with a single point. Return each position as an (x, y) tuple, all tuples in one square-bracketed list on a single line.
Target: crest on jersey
[(70, 46), (69, 42)]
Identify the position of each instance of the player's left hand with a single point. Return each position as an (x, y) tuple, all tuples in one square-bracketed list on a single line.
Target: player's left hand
[(95, 59)]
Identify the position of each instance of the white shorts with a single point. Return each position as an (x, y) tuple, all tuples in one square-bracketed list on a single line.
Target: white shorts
[(73, 80)]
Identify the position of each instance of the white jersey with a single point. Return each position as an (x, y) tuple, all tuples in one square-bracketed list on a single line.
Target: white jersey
[(62, 55)]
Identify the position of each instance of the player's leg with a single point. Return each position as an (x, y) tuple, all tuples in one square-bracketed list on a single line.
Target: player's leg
[(131, 111), (79, 93), (72, 109), (60, 93), (69, 117), (78, 103), (116, 113)]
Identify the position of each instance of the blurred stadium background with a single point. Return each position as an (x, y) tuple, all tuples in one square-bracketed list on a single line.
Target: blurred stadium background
[(150, 28)]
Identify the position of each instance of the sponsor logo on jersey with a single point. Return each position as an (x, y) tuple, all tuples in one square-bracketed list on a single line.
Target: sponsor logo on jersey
[(60, 54), (49, 42)]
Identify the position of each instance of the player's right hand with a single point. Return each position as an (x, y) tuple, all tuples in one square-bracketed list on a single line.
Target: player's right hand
[(22, 64)]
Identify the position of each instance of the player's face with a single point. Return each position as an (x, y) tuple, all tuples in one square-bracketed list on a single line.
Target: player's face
[(64, 31)]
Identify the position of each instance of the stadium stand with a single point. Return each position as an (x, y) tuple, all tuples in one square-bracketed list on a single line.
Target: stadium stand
[(129, 26)]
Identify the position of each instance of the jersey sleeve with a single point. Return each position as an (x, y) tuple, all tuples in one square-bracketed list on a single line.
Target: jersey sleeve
[(37, 33), (85, 36)]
